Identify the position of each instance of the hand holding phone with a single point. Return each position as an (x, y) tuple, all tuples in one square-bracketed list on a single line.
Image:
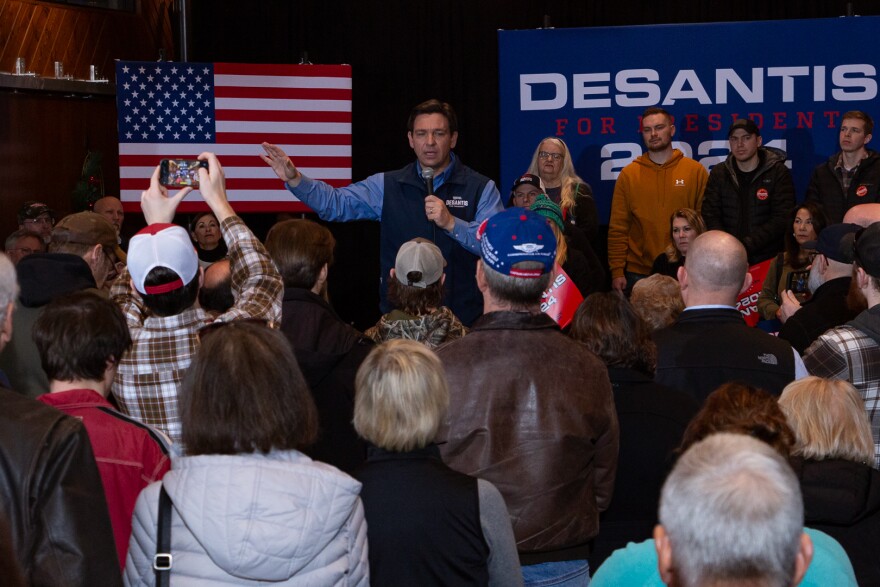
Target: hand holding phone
[(180, 173), (799, 284), (156, 204)]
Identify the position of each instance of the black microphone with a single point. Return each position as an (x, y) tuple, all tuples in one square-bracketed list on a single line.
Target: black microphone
[(428, 174)]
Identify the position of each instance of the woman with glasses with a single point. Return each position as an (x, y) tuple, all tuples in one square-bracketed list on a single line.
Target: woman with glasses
[(247, 507), (552, 163), (807, 221)]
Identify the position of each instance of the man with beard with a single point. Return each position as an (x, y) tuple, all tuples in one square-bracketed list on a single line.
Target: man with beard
[(852, 351), (829, 282), (646, 194)]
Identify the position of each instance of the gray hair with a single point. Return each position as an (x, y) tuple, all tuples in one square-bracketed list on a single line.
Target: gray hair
[(13, 238), (518, 292), (732, 509), (8, 283)]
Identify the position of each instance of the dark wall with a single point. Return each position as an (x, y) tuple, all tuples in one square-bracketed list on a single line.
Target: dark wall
[(45, 135), (406, 51), (402, 52)]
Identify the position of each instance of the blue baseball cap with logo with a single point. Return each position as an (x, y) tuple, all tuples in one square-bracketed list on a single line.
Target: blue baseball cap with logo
[(516, 235)]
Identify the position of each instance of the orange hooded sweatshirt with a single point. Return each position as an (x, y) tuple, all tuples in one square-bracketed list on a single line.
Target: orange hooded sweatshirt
[(645, 196)]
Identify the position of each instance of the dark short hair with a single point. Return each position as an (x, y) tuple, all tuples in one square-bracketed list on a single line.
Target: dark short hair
[(863, 116), (245, 393), (608, 324), (300, 248), (173, 302), (77, 334), (433, 106), (414, 300), (218, 298), (194, 220), (741, 408)]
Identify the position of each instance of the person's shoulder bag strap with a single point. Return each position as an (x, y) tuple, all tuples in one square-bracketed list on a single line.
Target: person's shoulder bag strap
[(163, 559)]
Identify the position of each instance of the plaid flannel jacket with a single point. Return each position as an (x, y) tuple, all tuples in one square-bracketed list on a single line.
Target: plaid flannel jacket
[(150, 373), (845, 352)]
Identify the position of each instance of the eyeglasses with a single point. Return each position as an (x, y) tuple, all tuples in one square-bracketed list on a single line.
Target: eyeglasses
[(213, 327), (24, 250), (43, 221), (546, 155)]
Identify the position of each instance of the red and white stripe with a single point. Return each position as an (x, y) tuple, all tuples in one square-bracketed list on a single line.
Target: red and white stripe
[(304, 109)]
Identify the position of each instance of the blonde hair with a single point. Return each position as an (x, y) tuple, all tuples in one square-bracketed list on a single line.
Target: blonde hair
[(694, 220), (829, 420), (657, 299), (561, 245), (569, 177), (401, 396)]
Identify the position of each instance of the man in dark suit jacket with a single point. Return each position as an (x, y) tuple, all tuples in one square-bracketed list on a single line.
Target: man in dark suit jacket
[(710, 343)]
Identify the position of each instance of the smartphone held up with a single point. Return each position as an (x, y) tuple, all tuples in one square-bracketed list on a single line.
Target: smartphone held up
[(180, 173)]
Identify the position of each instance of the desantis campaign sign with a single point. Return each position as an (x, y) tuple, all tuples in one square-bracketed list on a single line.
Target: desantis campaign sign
[(589, 87), (173, 110)]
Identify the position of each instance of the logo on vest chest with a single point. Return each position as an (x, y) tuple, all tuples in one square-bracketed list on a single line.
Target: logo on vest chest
[(768, 359), (457, 202), (862, 191), (762, 194)]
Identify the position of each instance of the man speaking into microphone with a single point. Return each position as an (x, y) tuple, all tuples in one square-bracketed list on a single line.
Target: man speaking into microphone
[(436, 197)]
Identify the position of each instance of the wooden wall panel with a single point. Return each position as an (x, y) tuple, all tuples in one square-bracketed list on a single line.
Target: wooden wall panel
[(44, 32), (44, 137)]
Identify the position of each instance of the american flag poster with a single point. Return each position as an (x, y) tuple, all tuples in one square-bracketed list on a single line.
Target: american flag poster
[(171, 110)]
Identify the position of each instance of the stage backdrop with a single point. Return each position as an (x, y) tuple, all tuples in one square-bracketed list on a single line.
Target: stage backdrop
[(177, 110), (589, 86)]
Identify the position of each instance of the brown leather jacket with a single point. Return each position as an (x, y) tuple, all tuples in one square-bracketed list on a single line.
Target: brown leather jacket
[(52, 497), (532, 412)]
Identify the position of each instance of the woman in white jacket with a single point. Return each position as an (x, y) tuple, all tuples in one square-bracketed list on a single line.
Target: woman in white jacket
[(247, 506)]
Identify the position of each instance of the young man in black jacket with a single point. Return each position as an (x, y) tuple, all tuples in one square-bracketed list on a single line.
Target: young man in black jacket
[(751, 194), (851, 176)]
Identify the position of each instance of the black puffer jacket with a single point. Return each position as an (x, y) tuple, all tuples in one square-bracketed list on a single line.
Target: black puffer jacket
[(52, 497), (756, 214), (842, 499), (825, 186)]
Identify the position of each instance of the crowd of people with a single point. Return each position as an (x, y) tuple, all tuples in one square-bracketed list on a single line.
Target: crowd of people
[(186, 406)]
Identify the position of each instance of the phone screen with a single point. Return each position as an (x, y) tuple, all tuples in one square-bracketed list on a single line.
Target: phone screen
[(180, 173), (799, 284)]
